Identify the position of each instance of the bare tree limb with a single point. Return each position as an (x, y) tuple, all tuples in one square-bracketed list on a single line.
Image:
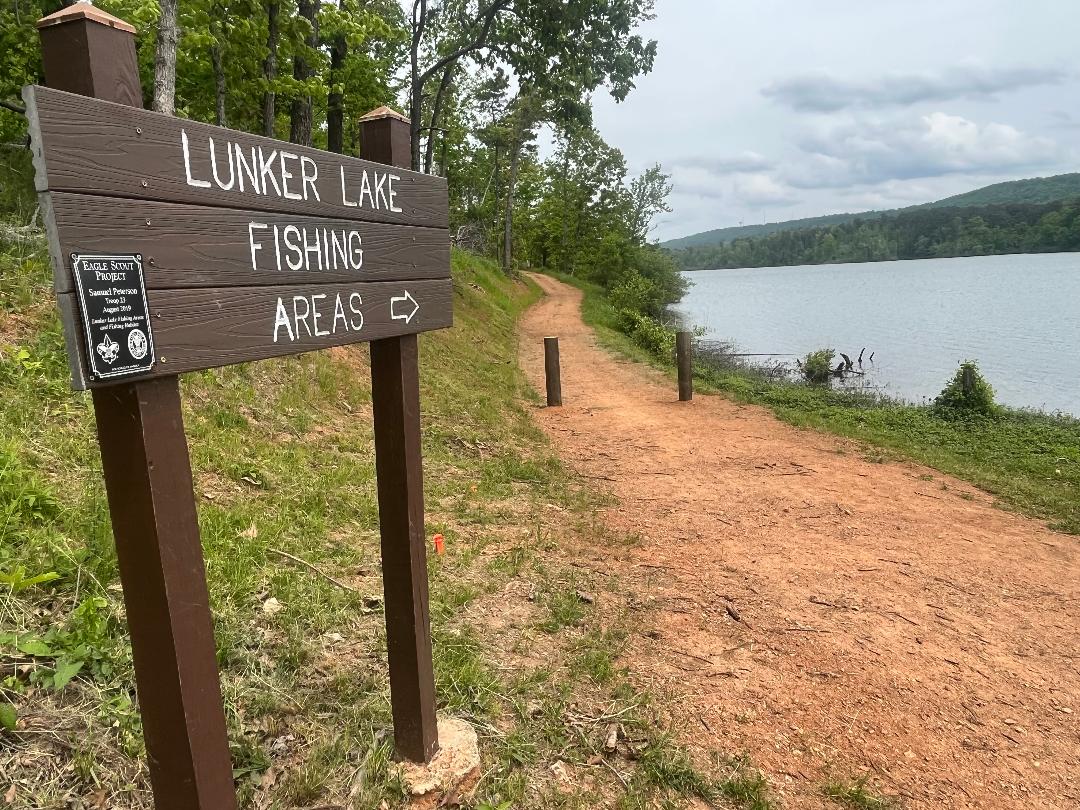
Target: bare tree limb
[(313, 568), (13, 106), (487, 17), (436, 110)]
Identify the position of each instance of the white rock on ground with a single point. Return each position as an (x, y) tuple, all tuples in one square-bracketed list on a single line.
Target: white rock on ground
[(454, 766)]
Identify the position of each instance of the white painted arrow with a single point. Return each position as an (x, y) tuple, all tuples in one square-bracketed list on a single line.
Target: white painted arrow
[(407, 317)]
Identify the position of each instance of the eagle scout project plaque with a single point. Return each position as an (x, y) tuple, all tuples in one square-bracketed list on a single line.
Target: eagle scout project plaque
[(116, 318)]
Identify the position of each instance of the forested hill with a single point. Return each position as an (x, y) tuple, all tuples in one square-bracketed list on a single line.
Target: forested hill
[(764, 229), (913, 233), (1034, 190)]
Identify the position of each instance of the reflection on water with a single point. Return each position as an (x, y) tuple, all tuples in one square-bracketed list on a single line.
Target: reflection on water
[(1018, 316)]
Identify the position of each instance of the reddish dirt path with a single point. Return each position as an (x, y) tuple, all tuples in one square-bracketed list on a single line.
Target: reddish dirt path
[(888, 626)]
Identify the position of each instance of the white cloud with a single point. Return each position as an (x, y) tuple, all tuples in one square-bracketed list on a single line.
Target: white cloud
[(697, 182), (702, 107), (824, 92), (762, 189), (731, 164), (868, 152)]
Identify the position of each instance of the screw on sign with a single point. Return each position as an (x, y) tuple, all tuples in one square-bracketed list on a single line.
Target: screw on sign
[(254, 248)]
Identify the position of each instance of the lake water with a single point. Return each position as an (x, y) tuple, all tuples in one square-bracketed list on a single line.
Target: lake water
[(1018, 316)]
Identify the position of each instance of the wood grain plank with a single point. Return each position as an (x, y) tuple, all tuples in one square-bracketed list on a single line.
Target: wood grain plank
[(210, 327), (196, 246), (89, 146)]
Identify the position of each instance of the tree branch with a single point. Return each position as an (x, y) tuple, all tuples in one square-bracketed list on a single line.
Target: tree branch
[(419, 23), (487, 17), (436, 109), (14, 107)]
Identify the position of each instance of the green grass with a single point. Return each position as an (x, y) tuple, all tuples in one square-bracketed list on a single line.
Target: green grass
[(854, 794), (736, 783), (283, 460), (564, 609), (1030, 461)]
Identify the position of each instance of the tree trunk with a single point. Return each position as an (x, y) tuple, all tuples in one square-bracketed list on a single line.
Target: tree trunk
[(300, 114), (495, 203), (564, 251), (270, 69), (416, 99), (508, 218), (165, 60), (335, 99), (217, 59), (436, 112)]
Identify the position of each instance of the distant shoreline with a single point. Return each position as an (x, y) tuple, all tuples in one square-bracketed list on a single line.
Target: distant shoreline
[(884, 261)]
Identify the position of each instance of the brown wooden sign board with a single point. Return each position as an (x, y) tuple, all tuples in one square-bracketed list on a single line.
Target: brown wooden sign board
[(88, 146), (248, 248), (195, 329), (197, 246)]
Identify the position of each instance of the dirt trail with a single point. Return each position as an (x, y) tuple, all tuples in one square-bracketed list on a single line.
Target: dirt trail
[(879, 622)]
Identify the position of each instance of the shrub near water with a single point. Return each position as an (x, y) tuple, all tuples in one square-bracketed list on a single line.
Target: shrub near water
[(955, 401), (648, 333), (817, 367), (636, 293)]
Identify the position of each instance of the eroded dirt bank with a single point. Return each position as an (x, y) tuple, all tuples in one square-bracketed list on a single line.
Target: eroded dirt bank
[(828, 615)]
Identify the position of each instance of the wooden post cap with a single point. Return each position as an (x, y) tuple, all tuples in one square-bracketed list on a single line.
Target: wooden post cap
[(382, 112), (87, 51), (84, 10), (386, 137)]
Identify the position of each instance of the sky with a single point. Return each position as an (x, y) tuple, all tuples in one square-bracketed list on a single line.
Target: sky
[(767, 110)]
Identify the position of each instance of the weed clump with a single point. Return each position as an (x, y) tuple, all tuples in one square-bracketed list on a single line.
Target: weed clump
[(817, 366), (967, 394), (854, 794), (648, 333)]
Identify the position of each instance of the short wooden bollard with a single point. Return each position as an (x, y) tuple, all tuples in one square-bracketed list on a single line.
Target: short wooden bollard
[(683, 356), (551, 371)]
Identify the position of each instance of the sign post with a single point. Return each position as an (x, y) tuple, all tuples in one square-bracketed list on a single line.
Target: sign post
[(144, 458), (178, 246), (395, 403)]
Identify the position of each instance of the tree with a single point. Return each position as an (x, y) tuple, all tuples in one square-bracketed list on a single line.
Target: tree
[(20, 62), (300, 118), (649, 192), (554, 78), (524, 117), (465, 29), (165, 59), (436, 114), (219, 36), (364, 42), (335, 97), (273, 34)]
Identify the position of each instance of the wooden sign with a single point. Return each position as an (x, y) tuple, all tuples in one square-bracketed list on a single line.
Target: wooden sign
[(249, 248)]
